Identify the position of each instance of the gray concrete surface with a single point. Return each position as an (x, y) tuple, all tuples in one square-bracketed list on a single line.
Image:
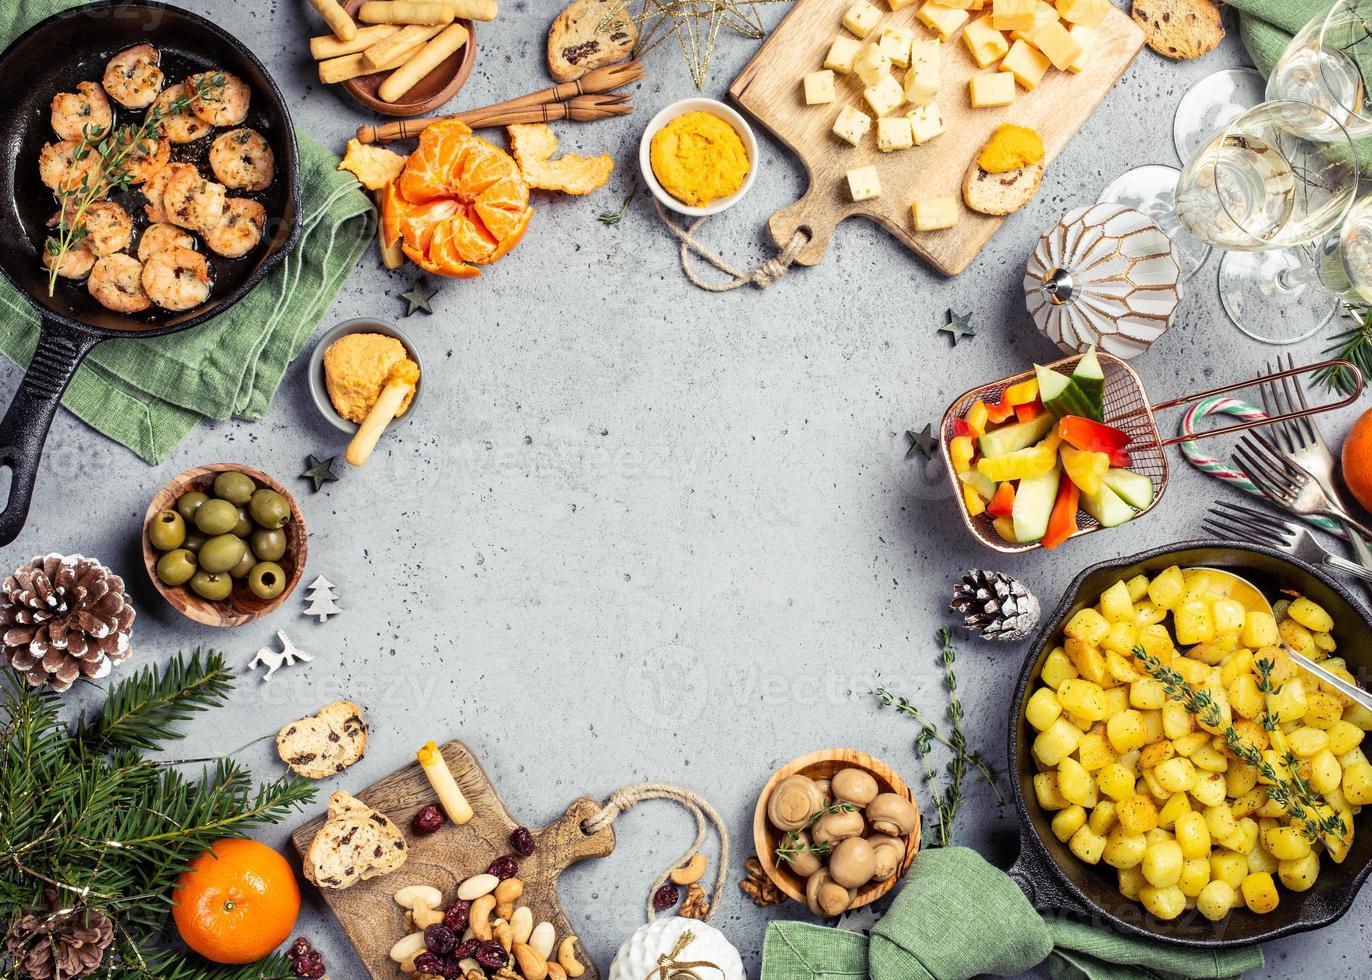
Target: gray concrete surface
[(641, 532)]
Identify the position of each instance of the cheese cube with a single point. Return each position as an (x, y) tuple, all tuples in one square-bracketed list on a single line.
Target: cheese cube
[(895, 43), (943, 21), (991, 89), (987, 44), (978, 4), (1013, 15), (956, 4), (819, 87), (885, 97), (928, 50), (871, 65), (922, 82), (864, 184), (861, 18), (842, 53), (1043, 13), (1088, 12), (1086, 37), (893, 133), (901, 4), (1027, 64), (926, 122), (1056, 44), (935, 213), (852, 124)]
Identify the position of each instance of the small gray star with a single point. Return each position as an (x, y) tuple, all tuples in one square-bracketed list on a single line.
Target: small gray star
[(959, 325), (923, 442), (418, 299)]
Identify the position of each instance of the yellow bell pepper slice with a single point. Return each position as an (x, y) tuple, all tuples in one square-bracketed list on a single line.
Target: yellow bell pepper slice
[(962, 450), (1085, 468), (1005, 528), (1022, 393), (1024, 464), (975, 505), (976, 418)]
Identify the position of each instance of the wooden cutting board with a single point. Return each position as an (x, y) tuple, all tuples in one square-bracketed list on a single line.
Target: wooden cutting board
[(769, 88), (367, 911)]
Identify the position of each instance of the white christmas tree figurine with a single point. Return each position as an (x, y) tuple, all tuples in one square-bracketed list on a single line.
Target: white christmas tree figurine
[(319, 600), (274, 661)]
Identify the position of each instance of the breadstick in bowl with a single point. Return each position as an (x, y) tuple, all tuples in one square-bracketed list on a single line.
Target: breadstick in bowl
[(330, 46), (401, 383), (432, 55), (404, 12), (337, 18)]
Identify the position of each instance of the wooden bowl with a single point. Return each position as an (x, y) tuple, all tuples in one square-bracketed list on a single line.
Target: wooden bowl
[(241, 606), (433, 90), (822, 765)]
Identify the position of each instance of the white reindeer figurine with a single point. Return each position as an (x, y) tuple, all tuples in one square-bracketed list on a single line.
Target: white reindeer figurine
[(274, 661)]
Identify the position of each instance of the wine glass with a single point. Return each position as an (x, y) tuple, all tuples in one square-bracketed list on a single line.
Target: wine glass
[(1326, 64), (1152, 189), (1342, 262), (1213, 103), (1282, 174)]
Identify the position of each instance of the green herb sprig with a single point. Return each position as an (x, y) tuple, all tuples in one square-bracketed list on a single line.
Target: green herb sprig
[(791, 846), (612, 218), (1353, 344)]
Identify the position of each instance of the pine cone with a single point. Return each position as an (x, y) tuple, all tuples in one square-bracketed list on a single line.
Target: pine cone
[(996, 605), (58, 946), (62, 618)]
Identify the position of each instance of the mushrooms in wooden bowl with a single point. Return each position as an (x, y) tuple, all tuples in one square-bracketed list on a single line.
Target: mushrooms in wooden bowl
[(224, 544), (835, 829)]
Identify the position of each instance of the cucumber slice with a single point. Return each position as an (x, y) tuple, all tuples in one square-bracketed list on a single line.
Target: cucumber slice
[(1016, 436), (1089, 377), (1107, 507), (979, 482), (1061, 395), (1034, 505), (1135, 488)]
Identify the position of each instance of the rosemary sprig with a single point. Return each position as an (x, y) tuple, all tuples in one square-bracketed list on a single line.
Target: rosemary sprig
[(613, 218), (791, 846), (1353, 344), (1289, 789)]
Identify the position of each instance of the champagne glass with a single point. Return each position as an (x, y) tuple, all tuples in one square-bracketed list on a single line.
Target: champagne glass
[(1152, 189), (1213, 103), (1342, 262), (1283, 174), (1327, 63)]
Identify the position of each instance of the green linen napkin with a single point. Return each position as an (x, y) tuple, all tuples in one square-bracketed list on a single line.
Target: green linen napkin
[(958, 916), (150, 394), (1266, 26)]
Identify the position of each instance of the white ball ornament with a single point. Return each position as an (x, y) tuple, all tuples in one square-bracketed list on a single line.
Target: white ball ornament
[(651, 947)]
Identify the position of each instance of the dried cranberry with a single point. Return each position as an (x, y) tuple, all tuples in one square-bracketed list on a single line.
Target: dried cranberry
[(458, 915), (428, 819), (440, 939), (665, 897), (491, 955), (467, 950), (451, 968), (522, 841), (314, 970), (301, 947), (428, 963), (503, 867)]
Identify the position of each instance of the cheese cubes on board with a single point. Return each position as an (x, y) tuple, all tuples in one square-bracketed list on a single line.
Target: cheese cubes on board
[(944, 21), (842, 53), (885, 97), (986, 44), (1056, 44), (864, 184), (894, 133), (925, 123), (1026, 63), (1013, 15), (935, 213), (871, 65), (819, 87), (862, 18), (992, 89), (895, 43), (1087, 12), (852, 124)]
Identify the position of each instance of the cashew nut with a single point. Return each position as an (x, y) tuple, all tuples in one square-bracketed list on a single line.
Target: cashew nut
[(506, 894), (467, 965), (412, 896), (424, 916), (522, 922), (481, 917), (692, 872), (566, 957), (543, 938), (408, 946), (533, 966), (555, 971), (407, 965), (476, 886), (504, 934)]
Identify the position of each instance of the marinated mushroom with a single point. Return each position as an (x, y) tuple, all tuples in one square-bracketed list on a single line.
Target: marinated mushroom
[(795, 799), (803, 862), (825, 897), (853, 785), (853, 862), (892, 814), (824, 788), (838, 825), (888, 852)]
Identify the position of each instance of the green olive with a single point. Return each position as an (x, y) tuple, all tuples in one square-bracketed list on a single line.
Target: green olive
[(194, 539), (244, 565), (210, 586), (221, 553), (267, 580), (216, 517), (268, 545), (167, 530), (269, 509), (188, 503), (176, 567), (236, 488), (245, 524)]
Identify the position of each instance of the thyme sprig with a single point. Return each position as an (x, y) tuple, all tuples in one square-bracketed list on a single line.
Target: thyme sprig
[(1289, 789), (613, 218), (791, 846)]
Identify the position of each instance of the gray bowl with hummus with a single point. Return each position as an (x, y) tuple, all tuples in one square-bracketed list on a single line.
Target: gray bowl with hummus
[(345, 385)]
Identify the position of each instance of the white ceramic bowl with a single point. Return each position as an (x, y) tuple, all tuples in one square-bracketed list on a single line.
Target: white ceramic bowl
[(740, 125)]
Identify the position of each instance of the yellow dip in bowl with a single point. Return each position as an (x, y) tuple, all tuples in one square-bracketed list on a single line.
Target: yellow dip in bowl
[(698, 158), (356, 368)]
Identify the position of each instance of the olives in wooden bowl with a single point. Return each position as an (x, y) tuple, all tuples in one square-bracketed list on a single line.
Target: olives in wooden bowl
[(835, 830), (224, 544)]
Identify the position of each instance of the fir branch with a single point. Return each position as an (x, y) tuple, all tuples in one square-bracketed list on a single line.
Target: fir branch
[(139, 711), (1353, 344)]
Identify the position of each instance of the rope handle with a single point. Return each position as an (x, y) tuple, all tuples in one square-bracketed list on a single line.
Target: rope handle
[(626, 798), (763, 276)]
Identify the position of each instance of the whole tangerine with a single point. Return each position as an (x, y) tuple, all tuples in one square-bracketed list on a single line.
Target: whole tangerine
[(1357, 460), (236, 902)]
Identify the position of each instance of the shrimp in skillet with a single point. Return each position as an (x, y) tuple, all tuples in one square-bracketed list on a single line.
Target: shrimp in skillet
[(108, 227), (116, 284), (177, 279), (219, 98), (63, 165), (242, 159), (154, 188), (75, 264), (183, 126), (143, 160), (241, 229), (85, 112), (160, 237), (191, 201), (133, 77)]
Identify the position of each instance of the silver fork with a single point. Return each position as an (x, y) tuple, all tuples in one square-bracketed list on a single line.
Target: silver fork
[(1286, 483), (1236, 522), (1300, 442)]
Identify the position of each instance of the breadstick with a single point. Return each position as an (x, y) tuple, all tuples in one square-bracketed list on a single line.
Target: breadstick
[(433, 54), (406, 40), (404, 377), (465, 9), (330, 46), (444, 785), (337, 18), (354, 65), (404, 12)]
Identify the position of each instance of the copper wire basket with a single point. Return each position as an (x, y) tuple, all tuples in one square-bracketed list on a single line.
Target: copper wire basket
[(1127, 407)]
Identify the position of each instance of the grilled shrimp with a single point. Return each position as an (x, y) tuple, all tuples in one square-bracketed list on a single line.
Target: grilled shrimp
[(133, 77), (116, 284), (242, 159), (154, 188), (191, 201), (144, 160), (219, 98), (159, 237), (75, 264), (241, 229), (183, 126), (177, 279), (85, 112), (109, 228), (61, 170)]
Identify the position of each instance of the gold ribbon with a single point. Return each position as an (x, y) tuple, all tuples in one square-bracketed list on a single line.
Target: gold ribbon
[(670, 968)]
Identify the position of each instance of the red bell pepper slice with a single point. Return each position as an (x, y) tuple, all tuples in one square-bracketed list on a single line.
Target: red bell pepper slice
[(961, 428), (1094, 437), (1120, 458), (1029, 412), (1062, 522), (1000, 411), (1003, 503)]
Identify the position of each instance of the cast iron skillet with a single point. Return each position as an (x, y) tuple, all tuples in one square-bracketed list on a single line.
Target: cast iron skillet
[(1053, 878), (52, 57)]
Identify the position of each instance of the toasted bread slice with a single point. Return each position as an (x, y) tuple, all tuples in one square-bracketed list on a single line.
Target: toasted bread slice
[(355, 843), (1001, 194), (589, 34), (326, 743), (1180, 29)]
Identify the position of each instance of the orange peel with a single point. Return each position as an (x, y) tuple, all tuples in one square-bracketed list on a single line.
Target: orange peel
[(534, 145)]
